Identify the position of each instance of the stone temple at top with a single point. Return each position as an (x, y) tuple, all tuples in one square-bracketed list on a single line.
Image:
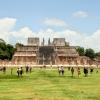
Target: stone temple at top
[(54, 53)]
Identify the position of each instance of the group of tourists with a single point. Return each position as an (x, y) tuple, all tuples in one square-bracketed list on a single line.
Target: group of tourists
[(3, 69), (61, 70), (20, 70), (28, 69), (85, 70)]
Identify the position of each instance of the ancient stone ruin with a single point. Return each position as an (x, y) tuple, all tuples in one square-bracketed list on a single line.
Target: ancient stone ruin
[(55, 53)]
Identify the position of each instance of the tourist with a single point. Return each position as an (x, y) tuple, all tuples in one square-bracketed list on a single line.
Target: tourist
[(21, 71), (97, 69), (91, 71), (27, 69), (62, 70), (69, 68), (30, 69), (18, 72), (4, 69), (78, 71), (59, 70), (72, 71), (44, 66), (84, 71), (11, 70)]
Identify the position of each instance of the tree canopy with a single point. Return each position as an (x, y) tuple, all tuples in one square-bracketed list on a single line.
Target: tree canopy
[(90, 53), (66, 43), (17, 45), (6, 50), (80, 50)]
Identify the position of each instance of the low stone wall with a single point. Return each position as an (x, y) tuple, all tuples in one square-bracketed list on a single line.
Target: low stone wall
[(53, 66)]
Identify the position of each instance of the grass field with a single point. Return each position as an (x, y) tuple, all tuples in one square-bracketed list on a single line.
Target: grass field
[(46, 84)]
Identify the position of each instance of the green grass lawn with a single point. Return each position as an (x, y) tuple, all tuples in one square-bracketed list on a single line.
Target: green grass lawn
[(46, 84)]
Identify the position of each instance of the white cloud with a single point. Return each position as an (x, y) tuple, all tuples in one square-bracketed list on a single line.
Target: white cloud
[(6, 24), (80, 14), (73, 37), (54, 22)]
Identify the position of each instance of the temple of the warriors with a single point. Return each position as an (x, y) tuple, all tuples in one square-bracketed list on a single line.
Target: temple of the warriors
[(55, 53)]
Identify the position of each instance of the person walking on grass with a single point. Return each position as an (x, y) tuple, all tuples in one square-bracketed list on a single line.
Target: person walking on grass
[(78, 71), (18, 72), (62, 70), (91, 71), (4, 69), (27, 69), (97, 69), (72, 71), (11, 70), (69, 68), (30, 69), (59, 70), (84, 71), (21, 71)]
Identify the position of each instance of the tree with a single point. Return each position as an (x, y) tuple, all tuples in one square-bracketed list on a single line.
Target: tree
[(3, 46), (90, 53), (80, 50), (5, 55), (1, 53), (17, 45), (97, 54), (6, 50), (66, 43), (10, 50)]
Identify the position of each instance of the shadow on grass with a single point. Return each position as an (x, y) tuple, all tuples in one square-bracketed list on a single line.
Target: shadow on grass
[(63, 76), (10, 77), (74, 77)]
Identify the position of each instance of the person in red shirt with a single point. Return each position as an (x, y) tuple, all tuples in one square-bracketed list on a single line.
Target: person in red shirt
[(78, 71), (30, 69)]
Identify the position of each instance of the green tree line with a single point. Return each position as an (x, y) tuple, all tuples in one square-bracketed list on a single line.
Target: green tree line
[(87, 52), (7, 50)]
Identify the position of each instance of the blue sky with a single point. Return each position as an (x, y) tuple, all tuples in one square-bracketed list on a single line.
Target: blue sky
[(76, 20)]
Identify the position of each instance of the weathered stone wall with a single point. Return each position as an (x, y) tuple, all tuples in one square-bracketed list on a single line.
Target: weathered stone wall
[(25, 55), (27, 48), (46, 54), (59, 41), (33, 41), (56, 54), (20, 60)]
